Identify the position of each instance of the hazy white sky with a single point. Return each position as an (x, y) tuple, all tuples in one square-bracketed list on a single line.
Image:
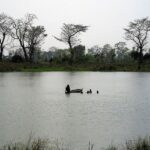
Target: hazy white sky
[(106, 18)]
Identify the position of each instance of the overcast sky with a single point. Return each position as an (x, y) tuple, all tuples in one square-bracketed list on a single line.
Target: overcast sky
[(106, 18)]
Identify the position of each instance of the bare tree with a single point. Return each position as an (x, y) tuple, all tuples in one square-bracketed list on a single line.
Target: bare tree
[(137, 32), (4, 32), (20, 31), (69, 35), (35, 36)]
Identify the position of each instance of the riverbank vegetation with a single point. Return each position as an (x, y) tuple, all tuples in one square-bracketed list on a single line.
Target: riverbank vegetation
[(46, 67), (23, 41), (45, 144)]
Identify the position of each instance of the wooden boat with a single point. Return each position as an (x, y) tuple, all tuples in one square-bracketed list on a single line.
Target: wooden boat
[(75, 91)]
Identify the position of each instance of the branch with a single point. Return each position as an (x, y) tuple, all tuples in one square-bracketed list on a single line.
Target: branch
[(4, 35), (58, 39)]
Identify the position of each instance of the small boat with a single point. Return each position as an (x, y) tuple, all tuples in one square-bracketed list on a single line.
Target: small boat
[(75, 91)]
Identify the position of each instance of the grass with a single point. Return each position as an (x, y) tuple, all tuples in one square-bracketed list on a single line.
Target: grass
[(138, 144), (39, 144), (44, 67), (36, 144)]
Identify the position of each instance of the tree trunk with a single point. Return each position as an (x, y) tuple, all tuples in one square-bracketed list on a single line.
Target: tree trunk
[(140, 58), (24, 51), (1, 56), (25, 54), (1, 52), (31, 53), (2, 46), (71, 52)]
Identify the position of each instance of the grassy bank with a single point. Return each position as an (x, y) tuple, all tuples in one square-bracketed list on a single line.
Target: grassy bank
[(27, 67), (39, 144)]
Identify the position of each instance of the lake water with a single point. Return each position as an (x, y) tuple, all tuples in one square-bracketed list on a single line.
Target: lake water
[(35, 103)]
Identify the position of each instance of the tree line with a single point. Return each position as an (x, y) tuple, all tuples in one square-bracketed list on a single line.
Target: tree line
[(30, 37), (23, 32)]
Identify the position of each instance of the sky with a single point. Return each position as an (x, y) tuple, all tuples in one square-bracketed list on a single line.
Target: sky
[(106, 18)]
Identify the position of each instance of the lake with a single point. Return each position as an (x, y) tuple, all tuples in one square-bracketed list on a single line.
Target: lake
[(35, 103)]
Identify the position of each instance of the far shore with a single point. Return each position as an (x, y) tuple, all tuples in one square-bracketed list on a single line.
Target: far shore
[(48, 67)]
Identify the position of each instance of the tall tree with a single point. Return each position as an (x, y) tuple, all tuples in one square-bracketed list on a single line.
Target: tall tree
[(108, 53), (5, 28), (95, 50), (79, 52), (20, 31), (121, 50), (69, 35), (35, 36), (137, 32)]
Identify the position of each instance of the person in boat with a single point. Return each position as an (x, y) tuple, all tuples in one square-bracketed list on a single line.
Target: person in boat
[(68, 88), (90, 91)]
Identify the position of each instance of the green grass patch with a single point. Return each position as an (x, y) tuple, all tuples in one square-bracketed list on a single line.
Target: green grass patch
[(46, 67)]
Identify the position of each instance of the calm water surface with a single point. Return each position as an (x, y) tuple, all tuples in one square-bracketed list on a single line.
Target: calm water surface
[(35, 103)]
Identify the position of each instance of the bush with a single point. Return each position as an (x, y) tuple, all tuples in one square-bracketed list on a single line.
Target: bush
[(17, 59)]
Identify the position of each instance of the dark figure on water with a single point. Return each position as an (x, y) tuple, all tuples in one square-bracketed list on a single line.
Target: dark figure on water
[(68, 89), (97, 92), (89, 92)]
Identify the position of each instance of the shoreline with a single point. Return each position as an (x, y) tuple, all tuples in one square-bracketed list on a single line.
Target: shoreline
[(27, 67)]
